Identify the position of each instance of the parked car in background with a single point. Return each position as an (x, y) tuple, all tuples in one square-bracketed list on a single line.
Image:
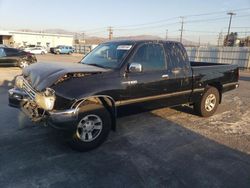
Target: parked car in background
[(61, 49), (16, 57), (36, 50)]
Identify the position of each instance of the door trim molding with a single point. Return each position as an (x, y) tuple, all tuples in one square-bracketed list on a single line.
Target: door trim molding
[(149, 98)]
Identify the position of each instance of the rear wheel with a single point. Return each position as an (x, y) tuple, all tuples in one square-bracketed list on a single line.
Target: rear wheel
[(92, 130), (57, 52), (42, 53), (209, 102)]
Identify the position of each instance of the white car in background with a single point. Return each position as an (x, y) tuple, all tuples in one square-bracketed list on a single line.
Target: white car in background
[(36, 50)]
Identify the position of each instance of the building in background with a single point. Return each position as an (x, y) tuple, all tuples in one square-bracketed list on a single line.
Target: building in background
[(22, 39)]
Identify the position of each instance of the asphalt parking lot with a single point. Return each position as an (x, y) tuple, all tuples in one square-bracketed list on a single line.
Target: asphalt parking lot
[(168, 147)]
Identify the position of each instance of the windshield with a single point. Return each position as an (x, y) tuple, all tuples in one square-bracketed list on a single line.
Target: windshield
[(108, 55)]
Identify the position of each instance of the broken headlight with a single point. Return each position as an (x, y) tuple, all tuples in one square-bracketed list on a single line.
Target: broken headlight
[(19, 82), (46, 99)]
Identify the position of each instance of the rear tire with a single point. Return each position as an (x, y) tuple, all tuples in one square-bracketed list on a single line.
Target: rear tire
[(57, 52), (208, 103), (92, 129)]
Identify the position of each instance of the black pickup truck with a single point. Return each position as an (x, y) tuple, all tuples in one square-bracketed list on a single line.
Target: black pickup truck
[(85, 97)]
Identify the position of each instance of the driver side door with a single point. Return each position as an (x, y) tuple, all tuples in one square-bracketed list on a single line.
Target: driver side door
[(152, 60), (155, 80)]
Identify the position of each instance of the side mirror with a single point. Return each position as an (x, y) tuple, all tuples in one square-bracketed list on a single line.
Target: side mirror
[(135, 67)]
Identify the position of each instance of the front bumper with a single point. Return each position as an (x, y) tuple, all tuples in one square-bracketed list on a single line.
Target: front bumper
[(63, 116), (18, 99)]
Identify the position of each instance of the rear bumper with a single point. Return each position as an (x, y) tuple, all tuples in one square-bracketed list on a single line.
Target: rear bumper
[(230, 86), (18, 99)]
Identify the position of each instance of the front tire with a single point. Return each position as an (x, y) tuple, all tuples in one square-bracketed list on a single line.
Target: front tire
[(92, 130), (208, 103)]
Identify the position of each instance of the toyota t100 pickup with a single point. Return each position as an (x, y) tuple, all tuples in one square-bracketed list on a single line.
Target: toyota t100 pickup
[(84, 97)]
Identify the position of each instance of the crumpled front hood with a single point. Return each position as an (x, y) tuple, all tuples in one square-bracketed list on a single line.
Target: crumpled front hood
[(43, 75)]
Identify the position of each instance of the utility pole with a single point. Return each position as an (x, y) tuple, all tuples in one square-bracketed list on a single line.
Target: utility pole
[(199, 41), (231, 14), (110, 30), (83, 37), (182, 23), (166, 34), (219, 39)]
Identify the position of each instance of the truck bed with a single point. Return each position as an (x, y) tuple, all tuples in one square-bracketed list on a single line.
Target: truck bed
[(202, 64), (215, 68), (207, 73)]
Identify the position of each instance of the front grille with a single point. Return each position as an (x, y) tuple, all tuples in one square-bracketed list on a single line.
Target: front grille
[(28, 89)]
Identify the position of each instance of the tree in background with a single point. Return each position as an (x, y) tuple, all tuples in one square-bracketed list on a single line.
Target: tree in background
[(245, 42)]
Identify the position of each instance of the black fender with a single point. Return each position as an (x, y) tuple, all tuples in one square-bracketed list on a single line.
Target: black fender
[(106, 101)]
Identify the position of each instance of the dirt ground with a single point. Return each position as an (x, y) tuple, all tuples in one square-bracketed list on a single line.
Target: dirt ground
[(167, 147)]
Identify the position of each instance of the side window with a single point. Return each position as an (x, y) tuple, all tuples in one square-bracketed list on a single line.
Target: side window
[(150, 56), (11, 52), (2, 53), (178, 57)]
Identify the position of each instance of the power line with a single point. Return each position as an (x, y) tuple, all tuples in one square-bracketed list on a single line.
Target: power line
[(173, 18), (175, 23), (201, 31), (160, 24), (219, 12), (95, 29)]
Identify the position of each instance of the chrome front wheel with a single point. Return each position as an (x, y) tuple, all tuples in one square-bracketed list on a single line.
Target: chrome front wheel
[(92, 128), (89, 128)]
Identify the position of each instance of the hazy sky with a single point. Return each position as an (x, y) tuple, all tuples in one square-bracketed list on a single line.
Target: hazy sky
[(129, 17)]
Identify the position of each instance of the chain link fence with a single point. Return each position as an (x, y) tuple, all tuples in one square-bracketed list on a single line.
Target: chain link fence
[(83, 49), (229, 55)]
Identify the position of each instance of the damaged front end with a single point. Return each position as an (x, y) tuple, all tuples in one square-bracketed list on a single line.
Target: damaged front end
[(38, 106)]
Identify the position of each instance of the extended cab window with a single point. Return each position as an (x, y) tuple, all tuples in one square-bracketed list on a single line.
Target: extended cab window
[(178, 57), (150, 56)]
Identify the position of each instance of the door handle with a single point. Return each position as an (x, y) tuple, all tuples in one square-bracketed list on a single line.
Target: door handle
[(165, 76)]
